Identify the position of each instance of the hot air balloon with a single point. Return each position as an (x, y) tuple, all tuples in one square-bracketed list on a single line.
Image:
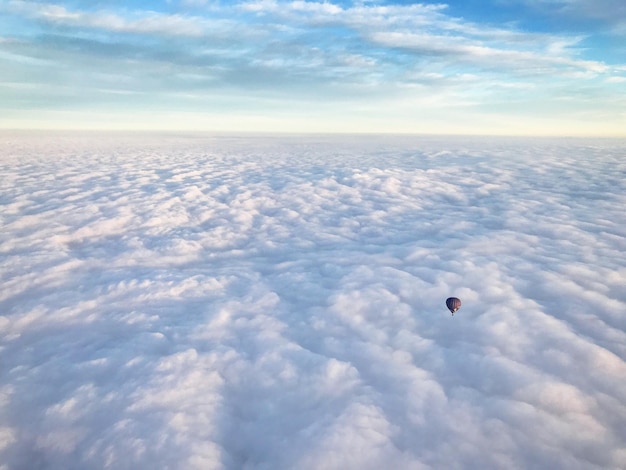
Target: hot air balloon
[(453, 304)]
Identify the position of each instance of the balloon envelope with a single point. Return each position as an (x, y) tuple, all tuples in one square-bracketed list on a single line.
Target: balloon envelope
[(453, 304)]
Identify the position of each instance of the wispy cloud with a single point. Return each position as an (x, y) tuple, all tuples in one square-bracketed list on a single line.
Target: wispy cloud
[(138, 21), (611, 11), (415, 28)]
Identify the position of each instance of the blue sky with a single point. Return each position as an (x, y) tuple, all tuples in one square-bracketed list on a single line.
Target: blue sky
[(472, 67)]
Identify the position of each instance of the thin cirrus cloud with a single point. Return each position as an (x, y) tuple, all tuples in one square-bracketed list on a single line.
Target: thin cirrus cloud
[(301, 62), (611, 11), (138, 22)]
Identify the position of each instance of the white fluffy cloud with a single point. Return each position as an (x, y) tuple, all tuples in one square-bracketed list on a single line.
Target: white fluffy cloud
[(279, 303)]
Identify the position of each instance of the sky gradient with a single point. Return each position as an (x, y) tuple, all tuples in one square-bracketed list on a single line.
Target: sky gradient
[(518, 67)]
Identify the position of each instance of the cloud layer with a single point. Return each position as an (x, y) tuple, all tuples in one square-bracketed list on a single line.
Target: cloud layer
[(275, 302)]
